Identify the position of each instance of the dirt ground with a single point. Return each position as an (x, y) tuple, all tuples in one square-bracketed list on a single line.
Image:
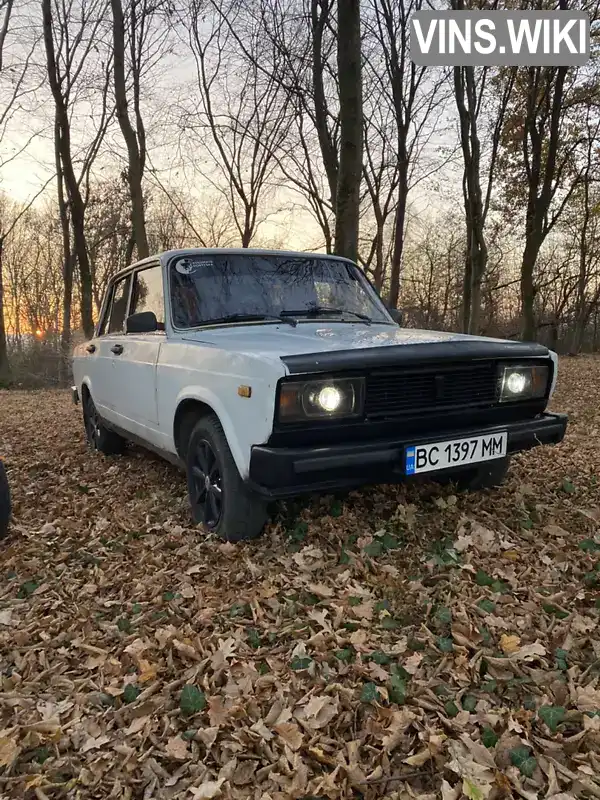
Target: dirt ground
[(395, 642)]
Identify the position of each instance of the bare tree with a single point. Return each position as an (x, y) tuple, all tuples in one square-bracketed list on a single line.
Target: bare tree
[(135, 139), (586, 228), (140, 34), (473, 101), (542, 140), (17, 88), (70, 38), (414, 94), (243, 116), (298, 40)]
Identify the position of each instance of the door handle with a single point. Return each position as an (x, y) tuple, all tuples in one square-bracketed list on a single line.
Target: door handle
[(91, 348), (117, 349)]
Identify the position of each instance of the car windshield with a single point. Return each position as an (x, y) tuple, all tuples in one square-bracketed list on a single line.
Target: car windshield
[(226, 288)]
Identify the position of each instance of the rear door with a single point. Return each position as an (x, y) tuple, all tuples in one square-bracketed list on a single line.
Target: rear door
[(135, 358)]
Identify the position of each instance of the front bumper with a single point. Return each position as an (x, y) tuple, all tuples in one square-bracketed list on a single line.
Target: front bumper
[(285, 472)]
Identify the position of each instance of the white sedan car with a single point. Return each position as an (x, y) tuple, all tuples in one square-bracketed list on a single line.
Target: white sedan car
[(271, 374)]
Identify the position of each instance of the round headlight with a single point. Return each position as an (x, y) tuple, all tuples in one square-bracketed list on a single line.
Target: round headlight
[(516, 383), (329, 398)]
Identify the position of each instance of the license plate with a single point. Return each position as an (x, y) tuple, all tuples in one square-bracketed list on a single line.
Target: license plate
[(443, 455)]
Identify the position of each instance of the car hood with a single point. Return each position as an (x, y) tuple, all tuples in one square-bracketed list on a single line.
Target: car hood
[(309, 337), (313, 347)]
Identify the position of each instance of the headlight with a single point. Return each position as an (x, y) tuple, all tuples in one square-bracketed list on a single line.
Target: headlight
[(323, 399), (524, 382)]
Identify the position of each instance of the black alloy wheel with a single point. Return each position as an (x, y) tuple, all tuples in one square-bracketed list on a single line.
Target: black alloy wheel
[(99, 437), (92, 423), (220, 500), (207, 485)]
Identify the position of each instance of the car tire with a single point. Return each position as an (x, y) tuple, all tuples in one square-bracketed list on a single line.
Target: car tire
[(5, 504), (219, 498), (489, 475), (99, 437)]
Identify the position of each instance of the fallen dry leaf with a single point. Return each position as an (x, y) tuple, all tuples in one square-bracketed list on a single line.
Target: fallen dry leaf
[(509, 644), (177, 748)]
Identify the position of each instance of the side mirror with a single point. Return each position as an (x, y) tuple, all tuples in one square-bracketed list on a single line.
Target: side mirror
[(143, 322), (396, 315)]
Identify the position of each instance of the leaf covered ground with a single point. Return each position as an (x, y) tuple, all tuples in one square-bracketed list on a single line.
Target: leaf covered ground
[(395, 642)]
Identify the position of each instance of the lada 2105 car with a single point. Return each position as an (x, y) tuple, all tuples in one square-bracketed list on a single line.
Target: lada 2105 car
[(273, 374)]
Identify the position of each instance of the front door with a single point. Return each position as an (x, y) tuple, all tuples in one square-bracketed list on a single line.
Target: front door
[(135, 356)]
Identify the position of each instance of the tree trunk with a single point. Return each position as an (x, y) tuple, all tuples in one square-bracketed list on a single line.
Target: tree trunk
[(528, 291), (347, 201), (399, 222), (65, 337), (541, 172), (4, 362), (135, 155), (476, 253), (320, 13)]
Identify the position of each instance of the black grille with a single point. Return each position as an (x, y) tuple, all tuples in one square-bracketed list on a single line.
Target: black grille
[(392, 392)]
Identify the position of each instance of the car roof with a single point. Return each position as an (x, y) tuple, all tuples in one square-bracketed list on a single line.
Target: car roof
[(166, 255)]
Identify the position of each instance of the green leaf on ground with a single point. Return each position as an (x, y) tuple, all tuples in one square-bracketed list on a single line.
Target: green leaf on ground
[(254, 638), (397, 690), (131, 693), (390, 623), (443, 616), (378, 657), (486, 605), (336, 509), (489, 738), (374, 548), (521, 758), (370, 693), (27, 589), (191, 700), (298, 663), (42, 754), (124, 625), (445, 644), (554, 611), (346, 656), (469, 703), (552, 716), (389, 541), (451, 709), (561, 657), (589, 546)]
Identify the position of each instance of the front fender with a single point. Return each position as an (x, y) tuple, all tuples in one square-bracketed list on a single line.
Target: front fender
[(252, 427)]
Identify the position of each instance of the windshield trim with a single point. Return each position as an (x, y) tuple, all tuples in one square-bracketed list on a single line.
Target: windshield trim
[(365, 282)]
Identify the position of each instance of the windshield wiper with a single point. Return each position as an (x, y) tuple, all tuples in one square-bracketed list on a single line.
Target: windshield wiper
[(251, 318), (314, 311)]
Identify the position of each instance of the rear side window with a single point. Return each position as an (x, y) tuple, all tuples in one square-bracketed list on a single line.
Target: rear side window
[(148, 293), (118, 309)]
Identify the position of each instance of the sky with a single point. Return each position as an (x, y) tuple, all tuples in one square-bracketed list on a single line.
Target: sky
[(171, 87)]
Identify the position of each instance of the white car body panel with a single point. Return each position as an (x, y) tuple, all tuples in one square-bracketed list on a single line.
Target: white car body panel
[(194, 371)]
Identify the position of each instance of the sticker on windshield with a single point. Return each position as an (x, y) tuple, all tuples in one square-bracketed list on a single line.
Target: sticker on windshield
[(185, 266)]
